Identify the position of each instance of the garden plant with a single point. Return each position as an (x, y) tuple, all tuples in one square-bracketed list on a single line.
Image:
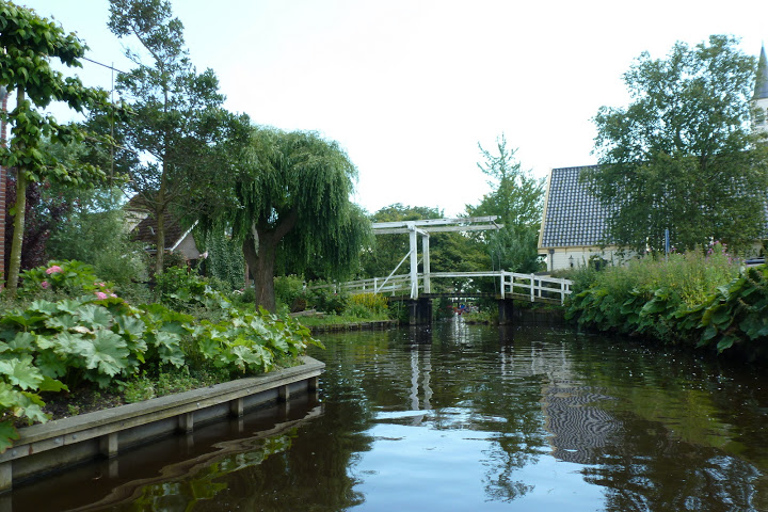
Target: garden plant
[(71, 331)]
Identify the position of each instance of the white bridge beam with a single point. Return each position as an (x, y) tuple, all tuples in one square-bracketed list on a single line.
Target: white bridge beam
[(424, 228)]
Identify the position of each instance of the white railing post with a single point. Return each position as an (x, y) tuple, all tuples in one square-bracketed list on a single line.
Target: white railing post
[(533, 284), (425, 262), (414, 262)]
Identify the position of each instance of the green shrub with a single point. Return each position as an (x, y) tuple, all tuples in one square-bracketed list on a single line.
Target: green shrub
[(737, 314), (675, 299), (51, 346), (289, 290), (180, 289), (94, 233), (327, 300), (374, 302)]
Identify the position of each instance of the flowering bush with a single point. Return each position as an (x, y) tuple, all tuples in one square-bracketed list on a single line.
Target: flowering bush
[(71, 278)]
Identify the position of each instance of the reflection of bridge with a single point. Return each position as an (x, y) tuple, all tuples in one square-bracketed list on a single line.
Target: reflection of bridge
[(416, 287)]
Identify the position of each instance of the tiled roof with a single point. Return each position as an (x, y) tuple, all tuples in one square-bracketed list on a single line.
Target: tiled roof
[(146, 229), (572, 216)]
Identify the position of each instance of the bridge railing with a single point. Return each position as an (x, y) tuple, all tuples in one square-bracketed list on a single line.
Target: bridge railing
[(534, 286), (394, 285), (512, 284)]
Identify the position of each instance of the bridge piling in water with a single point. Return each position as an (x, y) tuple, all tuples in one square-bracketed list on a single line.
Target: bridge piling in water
[(506, 310), (420, 311)]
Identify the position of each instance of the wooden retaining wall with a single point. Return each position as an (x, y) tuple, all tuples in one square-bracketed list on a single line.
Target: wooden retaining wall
[(61, 443)]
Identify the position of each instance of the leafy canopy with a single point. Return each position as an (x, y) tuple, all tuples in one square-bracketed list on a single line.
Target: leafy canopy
[(516, 198), (682, 156), (29, 44), (177, 113)]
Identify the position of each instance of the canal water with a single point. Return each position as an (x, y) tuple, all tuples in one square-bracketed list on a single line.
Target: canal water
[(463, 418)]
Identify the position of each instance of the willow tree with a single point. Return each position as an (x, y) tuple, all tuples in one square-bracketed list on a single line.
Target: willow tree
[(293, 202), (29, 43)]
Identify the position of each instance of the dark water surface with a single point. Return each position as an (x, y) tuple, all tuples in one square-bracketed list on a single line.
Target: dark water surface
[(463, 418)]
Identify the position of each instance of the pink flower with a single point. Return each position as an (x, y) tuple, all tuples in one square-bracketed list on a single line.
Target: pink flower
[(113, 295), (45, 285), (101, 295), (100, 284), (53, 270)]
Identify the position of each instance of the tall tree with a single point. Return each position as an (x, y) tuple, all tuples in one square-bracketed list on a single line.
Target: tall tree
[(291, 201), (682, 156), (29, 42), (516, 197), (175, 108)]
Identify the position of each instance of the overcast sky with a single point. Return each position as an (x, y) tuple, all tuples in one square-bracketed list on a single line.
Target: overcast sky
[(410, 87)]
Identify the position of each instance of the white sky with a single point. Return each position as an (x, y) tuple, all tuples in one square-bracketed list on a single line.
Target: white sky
[(409, 87)]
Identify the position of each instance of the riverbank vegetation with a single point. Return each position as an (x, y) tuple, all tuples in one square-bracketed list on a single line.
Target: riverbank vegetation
[(703, 299)]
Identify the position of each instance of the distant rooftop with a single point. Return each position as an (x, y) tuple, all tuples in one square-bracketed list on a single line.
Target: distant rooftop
[(573, 217)]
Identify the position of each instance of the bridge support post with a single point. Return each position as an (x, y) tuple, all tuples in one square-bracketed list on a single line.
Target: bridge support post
[(506, 310), (420, 311)]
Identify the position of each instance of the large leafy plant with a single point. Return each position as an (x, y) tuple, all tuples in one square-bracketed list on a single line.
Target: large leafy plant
[(702, 299), (96, 338)]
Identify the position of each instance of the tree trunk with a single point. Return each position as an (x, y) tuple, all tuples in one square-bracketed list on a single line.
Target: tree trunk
[(259, 250), (264, 273), (19, 219), (160, 240), (251, 258)]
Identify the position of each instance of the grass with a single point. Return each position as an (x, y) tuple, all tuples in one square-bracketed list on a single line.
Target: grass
[(320, 320)]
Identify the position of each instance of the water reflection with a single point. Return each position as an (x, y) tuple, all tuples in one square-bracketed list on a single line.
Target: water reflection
[(458, 417)]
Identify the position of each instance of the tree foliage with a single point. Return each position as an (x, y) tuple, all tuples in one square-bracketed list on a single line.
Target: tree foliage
[(290, 201), (93, 231), (177, 112), (29, 44), (516, 198), (682, 155)]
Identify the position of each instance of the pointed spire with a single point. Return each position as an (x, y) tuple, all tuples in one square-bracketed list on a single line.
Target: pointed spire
[(761, 83)]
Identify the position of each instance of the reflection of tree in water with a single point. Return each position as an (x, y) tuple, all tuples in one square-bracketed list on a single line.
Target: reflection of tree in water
[(680, 476), (521, 440), (303, 469), (698, 422), (312, 475), (512, 452)]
